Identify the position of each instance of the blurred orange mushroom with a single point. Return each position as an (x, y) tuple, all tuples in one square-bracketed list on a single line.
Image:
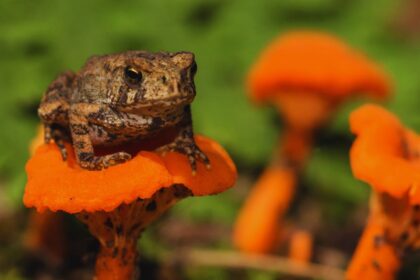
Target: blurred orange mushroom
[(385, 155), (118, 203), (305, 75), (301, 246)]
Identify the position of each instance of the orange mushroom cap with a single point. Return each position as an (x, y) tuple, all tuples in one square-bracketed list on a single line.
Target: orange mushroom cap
[(385, 153), (314, 62), (62, 185)]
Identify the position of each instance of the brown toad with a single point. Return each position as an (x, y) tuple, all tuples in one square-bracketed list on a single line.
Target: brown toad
[(121, 97)]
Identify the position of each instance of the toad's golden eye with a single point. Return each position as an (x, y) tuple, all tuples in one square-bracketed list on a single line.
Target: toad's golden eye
[(132, 76)]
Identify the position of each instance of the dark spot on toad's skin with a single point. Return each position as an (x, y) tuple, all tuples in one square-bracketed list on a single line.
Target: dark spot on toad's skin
[(79, 145), (146, 55), (107, 67), (108, 223), (112, 136), (99, 115), (99, 132), (85, 156), (416, 207), (79, 129), (123, 96), (151, 206), (55, 87), (91, 105), (156, 123)]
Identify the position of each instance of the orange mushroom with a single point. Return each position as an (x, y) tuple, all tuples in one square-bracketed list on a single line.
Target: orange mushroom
[(118, 203), (385, 155), (305, 75)]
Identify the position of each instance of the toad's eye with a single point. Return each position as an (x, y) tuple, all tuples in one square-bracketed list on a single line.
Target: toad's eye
[(132, 76)]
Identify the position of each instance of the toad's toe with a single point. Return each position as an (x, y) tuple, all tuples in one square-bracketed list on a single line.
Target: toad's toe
[(115, 159)]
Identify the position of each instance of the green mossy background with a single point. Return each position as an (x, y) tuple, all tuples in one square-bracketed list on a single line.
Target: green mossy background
[(39, 39)]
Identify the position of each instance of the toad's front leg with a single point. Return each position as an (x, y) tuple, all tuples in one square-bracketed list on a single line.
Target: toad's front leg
[(79, 127), (53, 110), (184, 143)]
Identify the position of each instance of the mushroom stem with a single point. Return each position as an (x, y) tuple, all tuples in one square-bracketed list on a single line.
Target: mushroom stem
[(118, 231), (117, 263), (377, 257), (294, 147), (257, 228)]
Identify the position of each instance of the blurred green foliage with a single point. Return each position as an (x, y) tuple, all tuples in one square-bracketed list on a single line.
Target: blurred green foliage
[(41, 38)]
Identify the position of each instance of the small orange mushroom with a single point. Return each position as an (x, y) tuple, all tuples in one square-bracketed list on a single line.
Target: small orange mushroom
[(385, 155), (118, 203), (300, 249), (305, 75)]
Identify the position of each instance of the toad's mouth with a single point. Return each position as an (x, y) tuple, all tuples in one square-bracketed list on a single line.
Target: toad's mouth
[(147, 143), (160, 104)]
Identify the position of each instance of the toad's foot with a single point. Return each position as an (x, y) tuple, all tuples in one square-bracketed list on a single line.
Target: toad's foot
[(190, 149), (91, 162), (58, 137)]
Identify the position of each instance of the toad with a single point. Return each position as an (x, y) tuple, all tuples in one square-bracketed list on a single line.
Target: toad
[(119, 98)]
